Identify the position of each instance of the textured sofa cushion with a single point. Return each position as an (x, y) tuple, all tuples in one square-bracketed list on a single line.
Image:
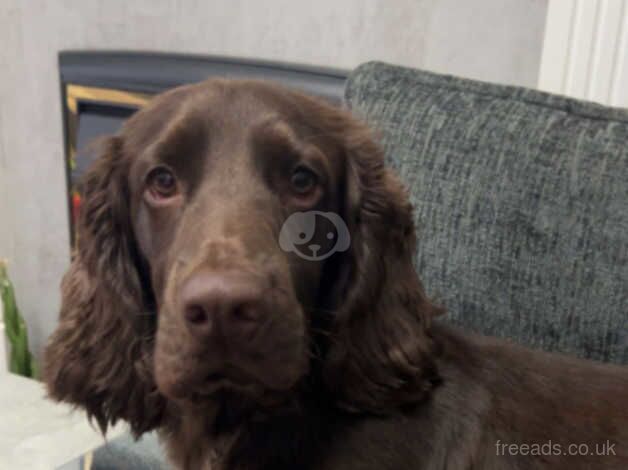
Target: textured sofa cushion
[(521, 202), (124, 453)]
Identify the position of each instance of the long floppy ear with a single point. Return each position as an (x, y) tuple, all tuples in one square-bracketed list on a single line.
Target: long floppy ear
[(380, 350), (99, 356)]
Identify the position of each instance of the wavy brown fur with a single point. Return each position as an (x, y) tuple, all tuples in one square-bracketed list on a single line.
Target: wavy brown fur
[(100, 355)]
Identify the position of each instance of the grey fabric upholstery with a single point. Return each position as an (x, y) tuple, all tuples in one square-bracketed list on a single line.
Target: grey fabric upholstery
[(124, 453), (521, 203)]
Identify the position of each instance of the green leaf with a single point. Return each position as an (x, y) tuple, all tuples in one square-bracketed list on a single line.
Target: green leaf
[(21, 360)]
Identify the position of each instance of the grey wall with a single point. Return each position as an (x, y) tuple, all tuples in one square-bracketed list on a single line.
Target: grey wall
[(495, 40)]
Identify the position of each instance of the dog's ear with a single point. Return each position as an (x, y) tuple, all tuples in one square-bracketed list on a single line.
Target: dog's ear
[(99, 357), (380, 351)]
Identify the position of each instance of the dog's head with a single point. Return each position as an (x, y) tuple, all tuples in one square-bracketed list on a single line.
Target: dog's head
[(232, 235)]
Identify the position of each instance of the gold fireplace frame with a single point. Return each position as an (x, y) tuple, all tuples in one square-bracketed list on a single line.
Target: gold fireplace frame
[(77, 94)]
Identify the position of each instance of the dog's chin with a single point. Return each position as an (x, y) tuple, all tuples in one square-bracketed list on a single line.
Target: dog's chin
[(191, 385)]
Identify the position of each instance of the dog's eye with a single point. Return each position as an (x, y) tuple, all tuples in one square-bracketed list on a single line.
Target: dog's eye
[(162, 183), (303, 180)]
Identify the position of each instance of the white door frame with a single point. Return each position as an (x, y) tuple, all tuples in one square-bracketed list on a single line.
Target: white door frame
[(585, 50)]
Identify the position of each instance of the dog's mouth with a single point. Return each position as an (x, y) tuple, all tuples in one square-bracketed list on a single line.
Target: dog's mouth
[(228, 379), (206, 389)]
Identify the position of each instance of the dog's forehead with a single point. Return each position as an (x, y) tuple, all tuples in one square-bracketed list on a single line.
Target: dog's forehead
[(219, 105)]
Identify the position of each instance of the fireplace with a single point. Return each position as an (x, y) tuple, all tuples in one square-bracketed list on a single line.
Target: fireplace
[(101, 89)]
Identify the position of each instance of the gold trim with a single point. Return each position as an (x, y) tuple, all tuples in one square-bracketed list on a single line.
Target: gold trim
[(88, 460), (107, 95), (76, 93)]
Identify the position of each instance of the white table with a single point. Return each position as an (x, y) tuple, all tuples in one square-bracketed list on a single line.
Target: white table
[(38, 434)]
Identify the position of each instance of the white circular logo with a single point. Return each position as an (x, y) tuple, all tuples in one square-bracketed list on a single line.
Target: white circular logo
[(298, 230)]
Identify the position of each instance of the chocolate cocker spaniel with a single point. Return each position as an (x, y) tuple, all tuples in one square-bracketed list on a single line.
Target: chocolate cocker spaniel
[(243, 283)]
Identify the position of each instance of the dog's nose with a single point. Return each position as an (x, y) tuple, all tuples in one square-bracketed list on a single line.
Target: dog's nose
[(314, 248), (228, 304)]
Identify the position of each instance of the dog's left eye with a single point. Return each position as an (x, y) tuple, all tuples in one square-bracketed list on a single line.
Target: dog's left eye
[(303, 180)]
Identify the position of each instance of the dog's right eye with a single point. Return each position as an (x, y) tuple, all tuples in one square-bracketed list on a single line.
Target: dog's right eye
[(161, 183), (303, 180)]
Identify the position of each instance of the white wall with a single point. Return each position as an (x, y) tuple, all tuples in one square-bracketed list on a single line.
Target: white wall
[(496, 40)]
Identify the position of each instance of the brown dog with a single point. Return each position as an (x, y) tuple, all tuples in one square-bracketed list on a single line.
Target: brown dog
[(244, 284)]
